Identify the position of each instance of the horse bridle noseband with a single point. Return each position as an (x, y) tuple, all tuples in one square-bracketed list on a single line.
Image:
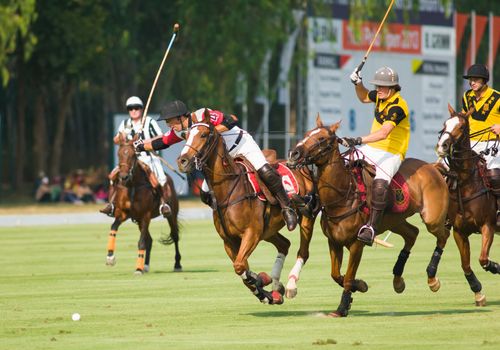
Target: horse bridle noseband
[(131, 168), (201, 155), (320, 150)]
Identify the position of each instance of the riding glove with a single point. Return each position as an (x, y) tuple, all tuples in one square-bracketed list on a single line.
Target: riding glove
[(350, 141), (139, 146), (356, 77)]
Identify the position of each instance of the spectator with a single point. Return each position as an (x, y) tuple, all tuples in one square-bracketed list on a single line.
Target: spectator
[(43, 194)]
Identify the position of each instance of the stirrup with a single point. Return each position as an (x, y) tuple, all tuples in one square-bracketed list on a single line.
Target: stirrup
[(362, 237), (165, 210)]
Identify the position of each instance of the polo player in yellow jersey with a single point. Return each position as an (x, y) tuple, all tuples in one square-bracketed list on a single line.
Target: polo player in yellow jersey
[(386, 144), (485, 104)]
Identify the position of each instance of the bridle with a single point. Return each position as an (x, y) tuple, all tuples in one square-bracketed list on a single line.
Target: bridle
[(126, 165), (201, 155), (319, 149)]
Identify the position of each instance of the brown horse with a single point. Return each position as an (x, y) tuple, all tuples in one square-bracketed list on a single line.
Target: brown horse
[(138, 200), (472, 206), (343, 204), (240, 217)]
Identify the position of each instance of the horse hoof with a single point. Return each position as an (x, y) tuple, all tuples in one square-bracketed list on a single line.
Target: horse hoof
[(399, 284), (178, 269), (435, 285), (111, 260), (265, 278), (291, 288), (480, 299), (277, 297), (361, 286), (336, 314), (281, 288), (138, 272)]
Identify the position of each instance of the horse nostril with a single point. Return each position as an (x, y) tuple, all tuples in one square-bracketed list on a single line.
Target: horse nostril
[(294, 155)]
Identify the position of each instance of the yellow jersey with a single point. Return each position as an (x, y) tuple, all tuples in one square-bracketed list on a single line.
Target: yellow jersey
[(394, 110), (486, 112)]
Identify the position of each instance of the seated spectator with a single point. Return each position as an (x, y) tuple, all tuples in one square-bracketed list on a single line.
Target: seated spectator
[(56, 189), (68, 195), (43, 194), (101, 195)]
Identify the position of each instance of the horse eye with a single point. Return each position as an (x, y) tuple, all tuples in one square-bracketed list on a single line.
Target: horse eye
[(204, 135)]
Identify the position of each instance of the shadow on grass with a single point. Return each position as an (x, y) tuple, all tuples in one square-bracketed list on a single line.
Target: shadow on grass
[(365, 313), (186, 271)]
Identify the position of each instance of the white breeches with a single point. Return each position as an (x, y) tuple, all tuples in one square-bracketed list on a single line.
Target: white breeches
[(492, 162), (386, 163), (154, 164), (246, 147)]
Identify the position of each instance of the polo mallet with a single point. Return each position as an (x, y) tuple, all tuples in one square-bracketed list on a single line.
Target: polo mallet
[(358, 69), (174, 34)]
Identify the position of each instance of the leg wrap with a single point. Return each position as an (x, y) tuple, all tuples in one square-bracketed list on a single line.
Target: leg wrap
[(474, 283), (111, 241), (400, 263), (345, 304), (433, 264), (492, 267)]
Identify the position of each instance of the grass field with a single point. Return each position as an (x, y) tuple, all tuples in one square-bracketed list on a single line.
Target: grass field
[(51, 272)]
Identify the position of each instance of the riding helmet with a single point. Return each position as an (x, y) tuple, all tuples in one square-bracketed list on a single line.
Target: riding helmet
[(385, 76), (478, 71), (134, 101), (173, 109)]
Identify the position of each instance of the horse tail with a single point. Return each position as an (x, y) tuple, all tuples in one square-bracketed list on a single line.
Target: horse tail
[(173, 237)]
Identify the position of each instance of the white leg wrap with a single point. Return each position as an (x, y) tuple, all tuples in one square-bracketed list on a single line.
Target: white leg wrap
[(295, 272)]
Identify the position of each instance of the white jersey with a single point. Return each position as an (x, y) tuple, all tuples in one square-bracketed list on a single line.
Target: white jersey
[(151, 129)]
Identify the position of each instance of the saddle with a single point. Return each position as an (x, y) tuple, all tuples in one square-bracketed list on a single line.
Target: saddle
[(399, 194), (288, 180)]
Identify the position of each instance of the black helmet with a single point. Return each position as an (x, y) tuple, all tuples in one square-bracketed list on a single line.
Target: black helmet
[(478, 71), (172, 110)]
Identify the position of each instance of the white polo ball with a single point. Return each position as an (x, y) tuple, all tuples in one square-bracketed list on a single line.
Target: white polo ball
[(75, 317)]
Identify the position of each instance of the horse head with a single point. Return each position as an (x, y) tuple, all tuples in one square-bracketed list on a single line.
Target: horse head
[(126, 158), (316, 146), (201, 140), (455, 132)]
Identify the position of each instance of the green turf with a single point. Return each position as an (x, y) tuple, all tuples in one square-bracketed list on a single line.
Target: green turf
[(50, 272)]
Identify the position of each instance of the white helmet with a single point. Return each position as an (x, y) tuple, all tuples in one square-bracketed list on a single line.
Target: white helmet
[(134, 101)]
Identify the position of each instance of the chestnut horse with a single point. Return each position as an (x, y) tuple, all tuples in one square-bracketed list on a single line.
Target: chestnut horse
[(138, 200), (240, 217), (343, 203), (472, 205)]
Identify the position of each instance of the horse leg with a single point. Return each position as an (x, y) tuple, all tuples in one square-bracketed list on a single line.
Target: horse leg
[(282, 244), (409, 234), (110, 257), (487, 233), (463, 245), (437, 227), (355, 253), (306, 230), (144, 240), (174, 235)]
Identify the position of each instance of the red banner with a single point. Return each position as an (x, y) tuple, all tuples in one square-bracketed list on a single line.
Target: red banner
[(461, 22), (397, 38), (479, 31), (496, 36)]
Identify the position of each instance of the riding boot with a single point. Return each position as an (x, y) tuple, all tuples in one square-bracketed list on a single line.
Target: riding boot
[(380, 189), (109, 210), (206, 198), (165, 209), (273, 182), (493, 176)]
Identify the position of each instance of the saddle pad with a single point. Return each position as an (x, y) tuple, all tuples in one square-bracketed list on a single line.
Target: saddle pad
[(288, 180), (400, 194)]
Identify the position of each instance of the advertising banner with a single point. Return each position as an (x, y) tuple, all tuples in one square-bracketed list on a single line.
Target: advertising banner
[(421, 52)]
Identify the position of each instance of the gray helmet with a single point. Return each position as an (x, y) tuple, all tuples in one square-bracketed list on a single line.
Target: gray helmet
[(385, 76), (173, 109)]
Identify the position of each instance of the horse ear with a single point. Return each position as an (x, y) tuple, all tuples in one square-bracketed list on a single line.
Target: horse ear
[(206, 116), (319, 122), (451, 110), (335, 126)]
